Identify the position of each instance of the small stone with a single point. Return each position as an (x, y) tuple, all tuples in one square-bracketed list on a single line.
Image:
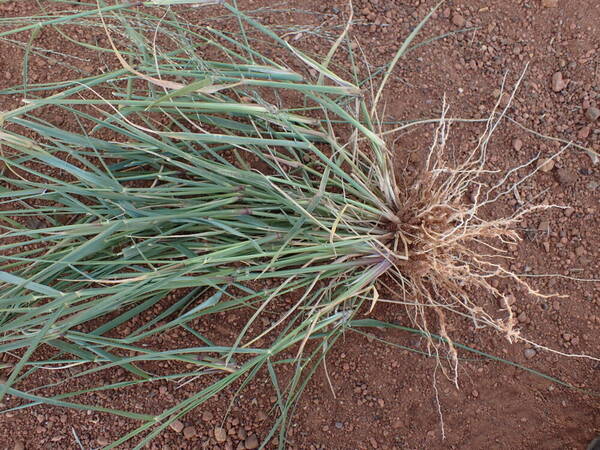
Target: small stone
[(475, 394), (558, 83), (7, 75), (242, 434), (584, 132), (176, 426), (592, 114), (517, 144), (251, 442), (220, 435), (566, 176), (593, 185), (556, 305), (504, 100), (19, 446), (339, 425), (522, 317), (35, 223), (550, 3), (189, 432), (529, 353), (546, 165), (544, 226), (458, 20), (207, 416), (261, 416), (569, 211), (102, 441)]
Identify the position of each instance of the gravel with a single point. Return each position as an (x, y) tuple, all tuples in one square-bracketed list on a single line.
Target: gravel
[(176, 426), (251, 442), (220, 434), (546, 165), (584, 132), (558, 84), (566, 176), (458, 20), (189, 432), (517, 144), (592, 114)]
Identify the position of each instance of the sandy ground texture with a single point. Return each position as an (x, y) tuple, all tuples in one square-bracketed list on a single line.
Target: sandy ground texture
[(383, 396)]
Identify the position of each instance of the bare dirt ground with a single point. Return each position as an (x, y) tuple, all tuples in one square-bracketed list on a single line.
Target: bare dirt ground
[(385, 396)]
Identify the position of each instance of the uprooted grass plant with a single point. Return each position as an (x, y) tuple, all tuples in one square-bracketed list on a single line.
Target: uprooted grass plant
[(214, 171)]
